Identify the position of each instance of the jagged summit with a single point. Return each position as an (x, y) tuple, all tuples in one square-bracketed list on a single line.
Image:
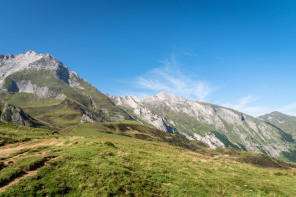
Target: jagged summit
[(170, 97), (164, 96), (160, 97), (31, 61), (273, 115), (30, 52)]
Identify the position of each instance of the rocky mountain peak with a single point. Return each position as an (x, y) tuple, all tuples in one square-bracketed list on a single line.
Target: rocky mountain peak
[(272, 115), (31, 52), (30, 60), (164, 96), (276, 113)]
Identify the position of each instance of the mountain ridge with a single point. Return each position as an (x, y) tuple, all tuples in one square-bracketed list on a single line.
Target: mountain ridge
[(215, 125)]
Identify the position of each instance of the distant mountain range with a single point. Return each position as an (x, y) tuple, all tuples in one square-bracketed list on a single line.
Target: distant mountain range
[(38, 90), (214, 125)]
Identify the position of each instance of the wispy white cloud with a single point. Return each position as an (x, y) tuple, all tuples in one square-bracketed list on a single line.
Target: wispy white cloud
[(190, 53), (170, 79), (288, 109), (246, 105)]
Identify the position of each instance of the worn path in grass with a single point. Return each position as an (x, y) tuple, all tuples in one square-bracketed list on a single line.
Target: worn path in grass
[(26, 174), (16, 180), (8, 150)]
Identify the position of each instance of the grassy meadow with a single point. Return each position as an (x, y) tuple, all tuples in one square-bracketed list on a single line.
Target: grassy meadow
[(109, 159)]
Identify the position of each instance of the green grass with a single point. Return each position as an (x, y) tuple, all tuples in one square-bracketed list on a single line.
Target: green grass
[(139, 131), (10, 133), (110, 159), (18, 168), (9, 173), (113, 165), (135, 130)]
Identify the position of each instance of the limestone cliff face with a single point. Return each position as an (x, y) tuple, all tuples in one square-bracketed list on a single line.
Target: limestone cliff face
[(27, 86), (214, 125)]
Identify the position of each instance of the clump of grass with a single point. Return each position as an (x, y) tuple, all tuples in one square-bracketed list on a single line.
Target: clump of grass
[(19, 167), (280, 173), (110, 144), (30, 163), (8, 174)]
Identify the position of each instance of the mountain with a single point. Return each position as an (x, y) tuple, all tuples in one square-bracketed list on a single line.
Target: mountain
[(284, 122), (214, 125), (47, 90)]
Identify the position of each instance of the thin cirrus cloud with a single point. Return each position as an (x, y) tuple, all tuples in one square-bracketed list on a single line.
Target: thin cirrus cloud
[(170, 79), (192, 54), (245, 105), (288, 109)]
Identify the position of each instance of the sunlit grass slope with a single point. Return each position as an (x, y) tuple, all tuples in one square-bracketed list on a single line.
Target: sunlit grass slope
[(111, 165), (10, 133), (91, 160)]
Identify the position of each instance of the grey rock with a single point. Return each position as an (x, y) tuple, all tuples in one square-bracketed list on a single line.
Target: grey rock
[(13, 114), (26, 86)]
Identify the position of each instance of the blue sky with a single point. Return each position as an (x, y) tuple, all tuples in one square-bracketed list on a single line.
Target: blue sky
[(239, 54)]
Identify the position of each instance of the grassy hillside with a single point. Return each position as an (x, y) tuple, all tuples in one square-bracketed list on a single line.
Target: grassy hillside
[(139, 131), (135, 130), (10, 133), (90, 161), (61, 112)]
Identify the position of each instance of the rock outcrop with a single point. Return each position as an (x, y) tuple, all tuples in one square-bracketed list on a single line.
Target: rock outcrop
[(15, 115), (27, 86)]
